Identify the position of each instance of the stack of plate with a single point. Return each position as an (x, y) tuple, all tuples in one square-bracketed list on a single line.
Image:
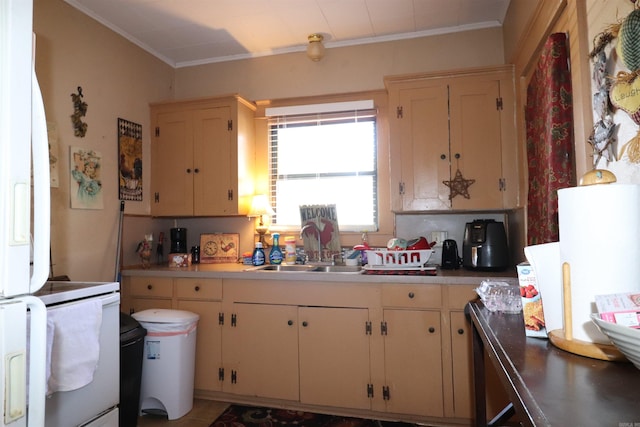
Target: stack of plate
[(625, 338)]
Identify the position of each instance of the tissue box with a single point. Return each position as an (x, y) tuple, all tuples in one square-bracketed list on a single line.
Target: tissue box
[(532, 312), (179, 260), (623, 309)]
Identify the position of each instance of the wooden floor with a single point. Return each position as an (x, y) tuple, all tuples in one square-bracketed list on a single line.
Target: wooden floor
[(204, 412)]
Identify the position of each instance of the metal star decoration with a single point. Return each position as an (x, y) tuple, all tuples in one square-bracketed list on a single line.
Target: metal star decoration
[(459, 185)]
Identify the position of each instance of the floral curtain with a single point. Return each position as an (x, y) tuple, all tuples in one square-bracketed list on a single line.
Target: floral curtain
[(549, 127)]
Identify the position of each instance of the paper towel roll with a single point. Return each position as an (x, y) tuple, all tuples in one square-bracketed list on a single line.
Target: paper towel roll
[(600, 239)]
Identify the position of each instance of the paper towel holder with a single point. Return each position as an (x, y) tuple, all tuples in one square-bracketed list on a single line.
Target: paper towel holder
[(598, 176), (563, 338)]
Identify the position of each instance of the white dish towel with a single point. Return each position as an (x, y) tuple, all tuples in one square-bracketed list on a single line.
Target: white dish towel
[(73, 344)]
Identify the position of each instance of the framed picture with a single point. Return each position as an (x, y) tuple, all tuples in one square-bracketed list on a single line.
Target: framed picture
[(130, 160), (85, 185), (219, 247)]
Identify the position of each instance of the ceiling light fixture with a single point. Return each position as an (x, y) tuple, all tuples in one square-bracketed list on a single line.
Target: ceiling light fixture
[(315, 50)]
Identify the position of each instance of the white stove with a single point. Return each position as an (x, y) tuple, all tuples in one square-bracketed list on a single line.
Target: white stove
[(94, 404), (60, 292)]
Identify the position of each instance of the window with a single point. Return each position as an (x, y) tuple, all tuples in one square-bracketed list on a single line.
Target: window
[(324, 157)]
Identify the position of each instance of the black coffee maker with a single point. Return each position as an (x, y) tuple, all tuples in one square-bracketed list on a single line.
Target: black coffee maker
[(450, 258), (179, 241)]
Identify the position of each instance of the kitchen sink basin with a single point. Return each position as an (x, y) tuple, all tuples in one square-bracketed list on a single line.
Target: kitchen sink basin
[(337, 269), (301, 268), (283, 268)]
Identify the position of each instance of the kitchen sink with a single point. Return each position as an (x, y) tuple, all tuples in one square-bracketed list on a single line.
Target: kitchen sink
[(283, 268), (337, 269), (301, 268)]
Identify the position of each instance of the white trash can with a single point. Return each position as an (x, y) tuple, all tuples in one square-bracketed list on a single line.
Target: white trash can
[(168, 361)]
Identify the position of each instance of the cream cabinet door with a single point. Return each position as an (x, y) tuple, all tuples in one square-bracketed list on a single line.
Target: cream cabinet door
[(413, 362), (215, 167), (423, 127), (260, 351), (172, 164), (462, 365), (476, 142), (334, 357), (208, 343)]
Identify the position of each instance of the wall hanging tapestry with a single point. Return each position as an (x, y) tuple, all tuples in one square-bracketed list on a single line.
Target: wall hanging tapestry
[(79, 111), (549, 127), (85, 183), (130, 160)]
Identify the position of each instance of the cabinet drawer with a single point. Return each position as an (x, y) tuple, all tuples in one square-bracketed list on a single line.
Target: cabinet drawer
[(152, 286), (208, 289), (412, 296), (460, 295)]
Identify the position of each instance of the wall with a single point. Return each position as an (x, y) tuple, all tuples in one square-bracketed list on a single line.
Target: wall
[(342, 70), (118, 80), (292, 78)]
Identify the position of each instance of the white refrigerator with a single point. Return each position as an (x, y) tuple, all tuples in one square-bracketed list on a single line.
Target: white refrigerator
[(24, 176)]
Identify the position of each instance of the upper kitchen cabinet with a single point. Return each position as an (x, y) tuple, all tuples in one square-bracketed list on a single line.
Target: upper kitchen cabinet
[(444, 123), (202, 157)]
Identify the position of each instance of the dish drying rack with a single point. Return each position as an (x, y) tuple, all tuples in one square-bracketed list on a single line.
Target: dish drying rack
[(382, 259)]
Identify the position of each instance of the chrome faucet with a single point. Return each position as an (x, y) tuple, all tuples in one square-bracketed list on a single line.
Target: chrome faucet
[(318, 235)]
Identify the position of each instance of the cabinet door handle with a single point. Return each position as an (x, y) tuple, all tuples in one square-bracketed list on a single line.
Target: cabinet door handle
[(188, 170), (305, 324), (196, 170), (431, 329), (461, 331), (457, 156), (411, 295), (196, 288), (149, 286), (443, 156), (290, 322)]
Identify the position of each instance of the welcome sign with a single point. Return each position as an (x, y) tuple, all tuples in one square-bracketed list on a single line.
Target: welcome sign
[(320, 232)]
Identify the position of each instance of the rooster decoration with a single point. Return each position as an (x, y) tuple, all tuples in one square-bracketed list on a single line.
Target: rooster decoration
[(144, 250), (326, 232)]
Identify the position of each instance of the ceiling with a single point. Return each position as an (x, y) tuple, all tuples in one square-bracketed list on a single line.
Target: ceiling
[(191, 32)]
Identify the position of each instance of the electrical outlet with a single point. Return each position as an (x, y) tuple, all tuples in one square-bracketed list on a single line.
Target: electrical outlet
[(438, 237)]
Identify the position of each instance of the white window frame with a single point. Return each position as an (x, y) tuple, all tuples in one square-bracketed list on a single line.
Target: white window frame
[(326, 113)]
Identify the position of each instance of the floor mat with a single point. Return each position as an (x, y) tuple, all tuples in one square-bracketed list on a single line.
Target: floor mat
[(251, 416)]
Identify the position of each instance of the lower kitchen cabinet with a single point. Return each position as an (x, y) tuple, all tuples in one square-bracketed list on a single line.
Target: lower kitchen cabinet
[(462, 367), (203, 297), (462, 361), (334, 356), (200, 296), (260, 351), (144, 293), (412, 334), (413, 362), (314, 355), (400, 351)]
